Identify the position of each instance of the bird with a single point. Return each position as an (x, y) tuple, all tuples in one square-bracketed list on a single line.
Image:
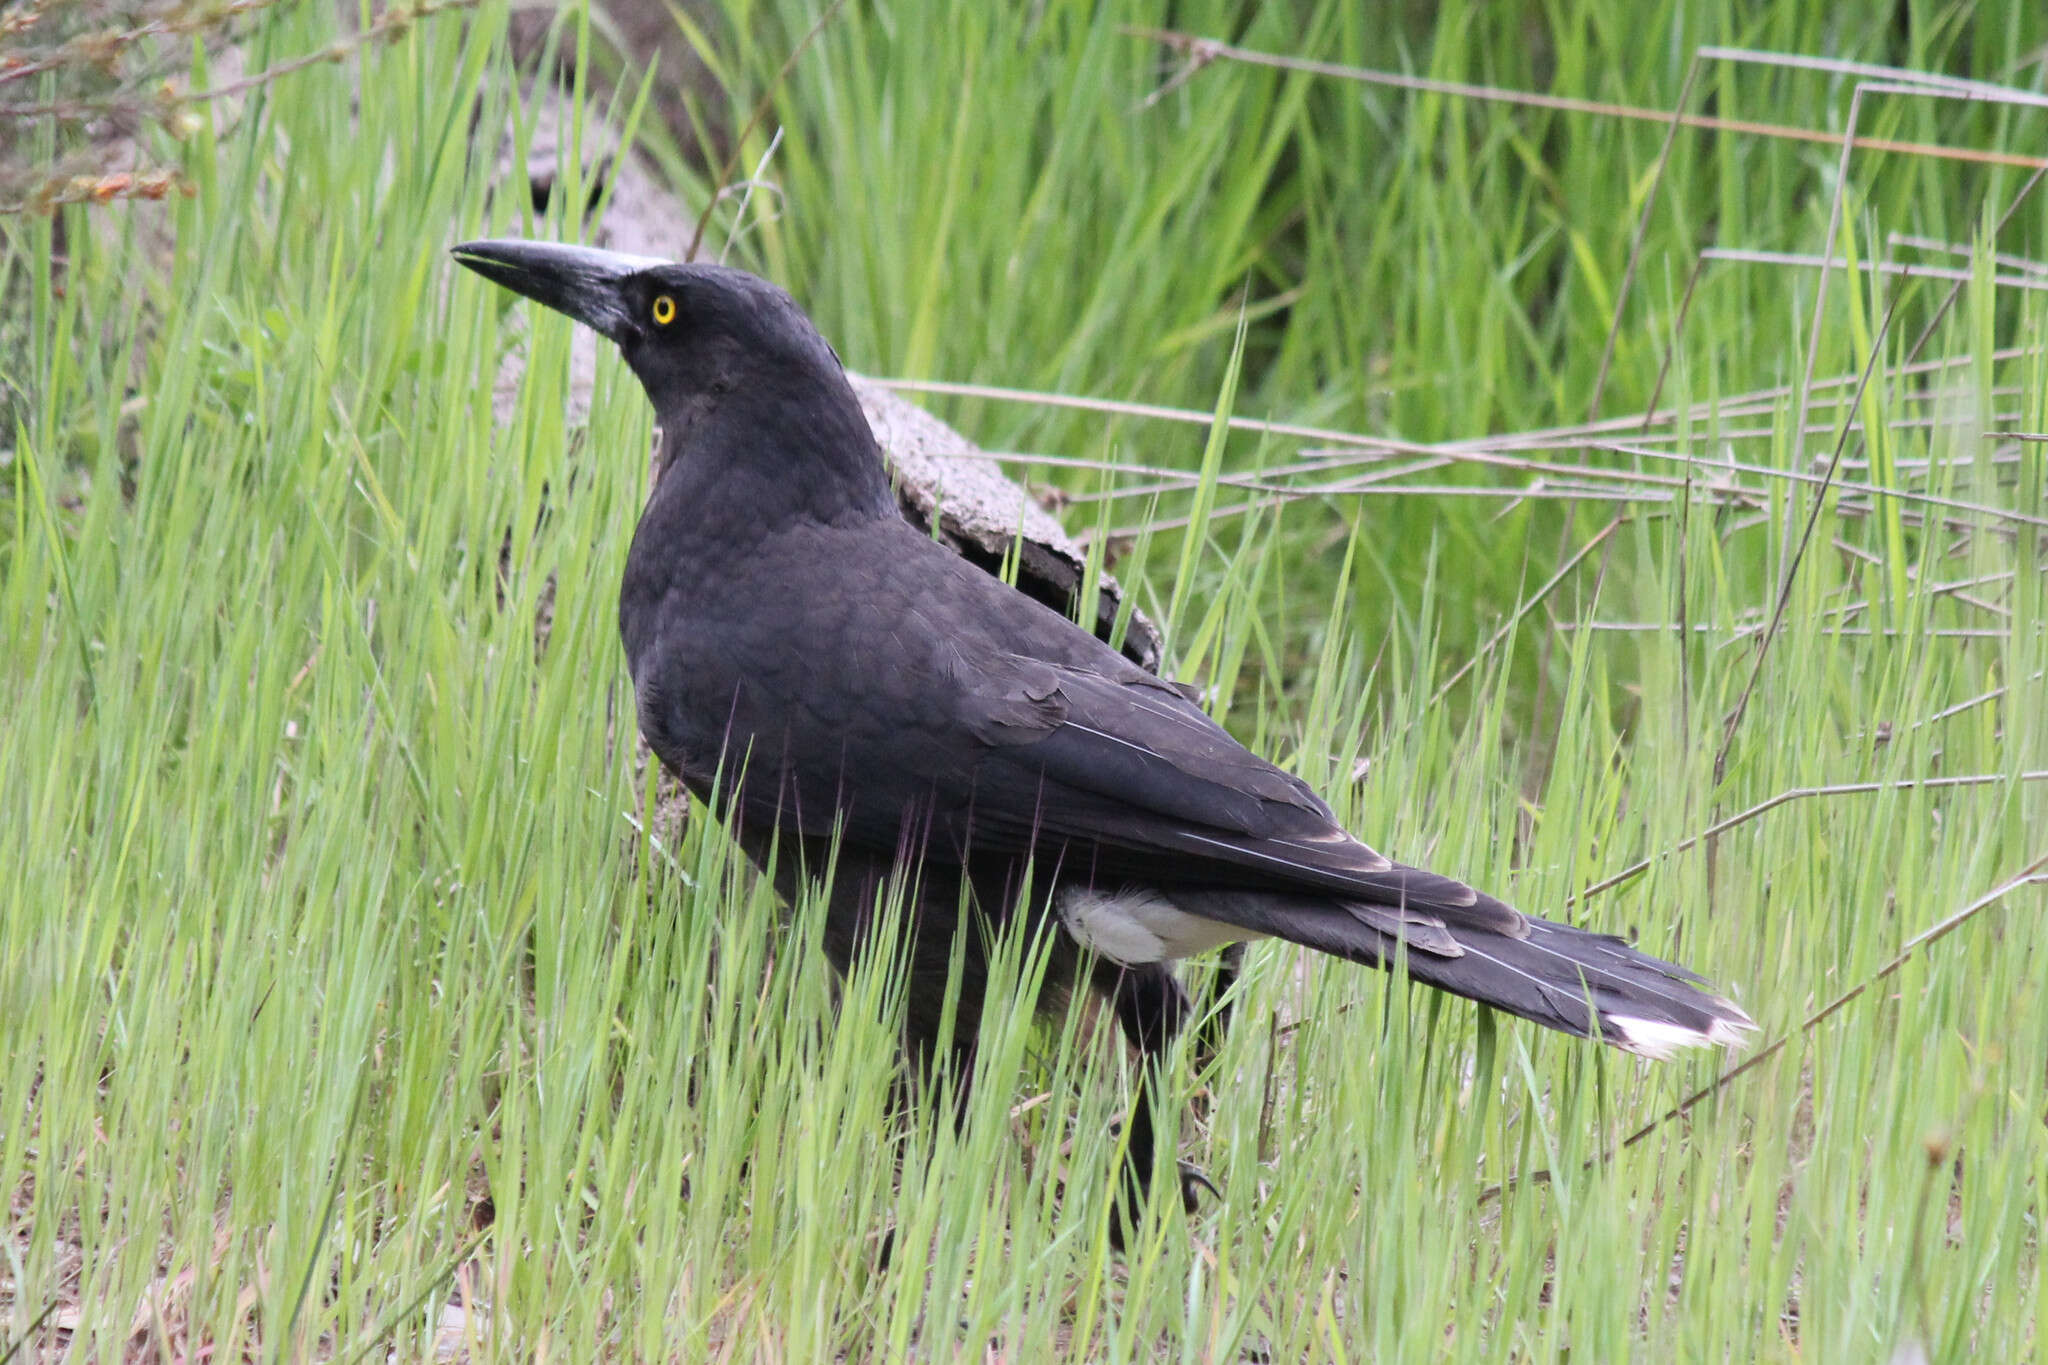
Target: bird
[(865, 709)]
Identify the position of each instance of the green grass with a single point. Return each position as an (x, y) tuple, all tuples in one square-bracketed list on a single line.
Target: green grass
[(336, 977)]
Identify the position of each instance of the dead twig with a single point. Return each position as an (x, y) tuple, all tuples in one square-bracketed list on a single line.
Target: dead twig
[(1642, 231), (761, 107), (1720, 827), (390, 24), (1805, 538), (1933, 933), (1214, 50)]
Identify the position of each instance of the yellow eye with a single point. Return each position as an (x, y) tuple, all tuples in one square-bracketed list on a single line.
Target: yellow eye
[(664, 310)]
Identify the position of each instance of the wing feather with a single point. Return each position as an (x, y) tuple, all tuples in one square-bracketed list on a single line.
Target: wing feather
[(1121, 770)]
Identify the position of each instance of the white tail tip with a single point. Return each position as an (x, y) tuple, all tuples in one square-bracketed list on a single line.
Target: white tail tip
[(1661, 1039)]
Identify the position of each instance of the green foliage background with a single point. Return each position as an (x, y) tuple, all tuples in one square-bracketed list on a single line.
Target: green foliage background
[(346, 1007)]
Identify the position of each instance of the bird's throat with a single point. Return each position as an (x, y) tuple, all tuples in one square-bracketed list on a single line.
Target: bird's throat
[(735, 467)]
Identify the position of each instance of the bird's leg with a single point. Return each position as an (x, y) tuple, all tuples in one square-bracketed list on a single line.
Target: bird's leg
[(1151, 1009), (938, 1044), (1213, 1021), (944, 948), (927, 914), (940, 1049)]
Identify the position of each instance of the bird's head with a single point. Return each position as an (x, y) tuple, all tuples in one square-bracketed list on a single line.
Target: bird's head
[(690, 332), (728, 359)]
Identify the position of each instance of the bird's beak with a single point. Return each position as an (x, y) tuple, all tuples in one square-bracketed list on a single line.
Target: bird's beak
[(581, 281)]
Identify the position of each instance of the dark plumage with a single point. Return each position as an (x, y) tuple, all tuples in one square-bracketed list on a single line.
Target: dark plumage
[(811, 665)]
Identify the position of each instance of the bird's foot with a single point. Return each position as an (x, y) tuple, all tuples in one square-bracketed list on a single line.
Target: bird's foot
[(1125, 1212), (886, 1252)]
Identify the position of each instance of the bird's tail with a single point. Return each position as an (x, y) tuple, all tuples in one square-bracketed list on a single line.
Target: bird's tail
[(1586, 984)]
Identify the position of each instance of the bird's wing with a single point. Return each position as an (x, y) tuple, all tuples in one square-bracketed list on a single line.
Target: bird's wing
[(909, 698), (1122, 768)]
